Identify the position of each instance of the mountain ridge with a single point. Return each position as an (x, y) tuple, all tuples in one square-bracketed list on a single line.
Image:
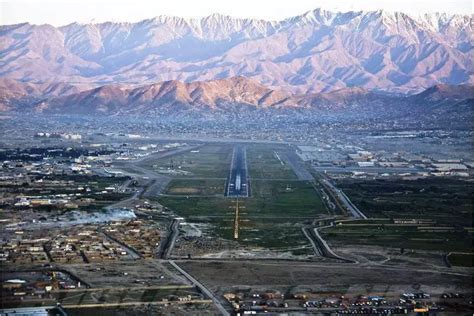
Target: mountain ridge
[(318, 51), (213, 95)]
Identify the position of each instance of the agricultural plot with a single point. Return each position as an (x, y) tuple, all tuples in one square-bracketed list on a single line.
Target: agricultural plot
[(446, 201), (427, 214), (399, 236)]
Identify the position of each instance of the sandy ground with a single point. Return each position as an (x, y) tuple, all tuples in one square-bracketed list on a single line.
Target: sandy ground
[(337, 277)]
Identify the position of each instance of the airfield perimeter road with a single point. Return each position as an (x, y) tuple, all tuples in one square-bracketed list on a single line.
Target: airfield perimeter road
[(295, 162), (198, 284), (320, 245), (167, 245), (344, 199)]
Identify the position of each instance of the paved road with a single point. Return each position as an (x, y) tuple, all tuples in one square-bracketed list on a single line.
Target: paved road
[(132, 252), (295, 162), (325, 247), (206, 139), (165, 154), (167, 245), (320, 245), (135, 168), (203, 289), (316, 248), (344, 199), (128, 202)]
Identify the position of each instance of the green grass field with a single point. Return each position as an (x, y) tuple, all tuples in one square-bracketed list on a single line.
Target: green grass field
[(211, 161), (447, 201), (272, 217), (399, 236), (274, 213), (442, 209), (277, 230), (263, 162), (461, 259)]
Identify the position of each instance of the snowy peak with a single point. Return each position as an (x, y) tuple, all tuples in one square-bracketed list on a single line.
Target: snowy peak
[(318, 51)]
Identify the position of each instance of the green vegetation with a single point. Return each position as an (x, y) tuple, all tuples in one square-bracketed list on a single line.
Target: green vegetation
[(278, 231), (273, 216), (447, 201), (399, 236), (211, 161), (429, 214), (263, 162), (461, 259), (282, 198)]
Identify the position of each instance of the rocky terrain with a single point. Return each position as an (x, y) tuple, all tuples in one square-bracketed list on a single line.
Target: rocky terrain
[(223, 95), (319, 51)]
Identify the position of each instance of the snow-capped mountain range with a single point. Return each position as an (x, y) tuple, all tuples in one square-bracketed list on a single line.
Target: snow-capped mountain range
[(319, 51)]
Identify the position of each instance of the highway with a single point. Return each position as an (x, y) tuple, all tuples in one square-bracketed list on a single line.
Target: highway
[(237, 182)]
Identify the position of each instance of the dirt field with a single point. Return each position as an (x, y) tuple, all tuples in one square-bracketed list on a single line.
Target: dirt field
[(339, 278), (184, 190), (125, 274)]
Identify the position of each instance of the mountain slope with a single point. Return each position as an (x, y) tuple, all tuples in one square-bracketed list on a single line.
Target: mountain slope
[(14, 93), (319, 51), (443, 92), (223, 95)]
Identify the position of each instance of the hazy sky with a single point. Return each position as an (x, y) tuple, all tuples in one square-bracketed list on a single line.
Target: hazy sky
[(61, 12)]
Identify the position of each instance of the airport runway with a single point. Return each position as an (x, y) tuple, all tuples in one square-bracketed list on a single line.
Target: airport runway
[(237, 182)]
